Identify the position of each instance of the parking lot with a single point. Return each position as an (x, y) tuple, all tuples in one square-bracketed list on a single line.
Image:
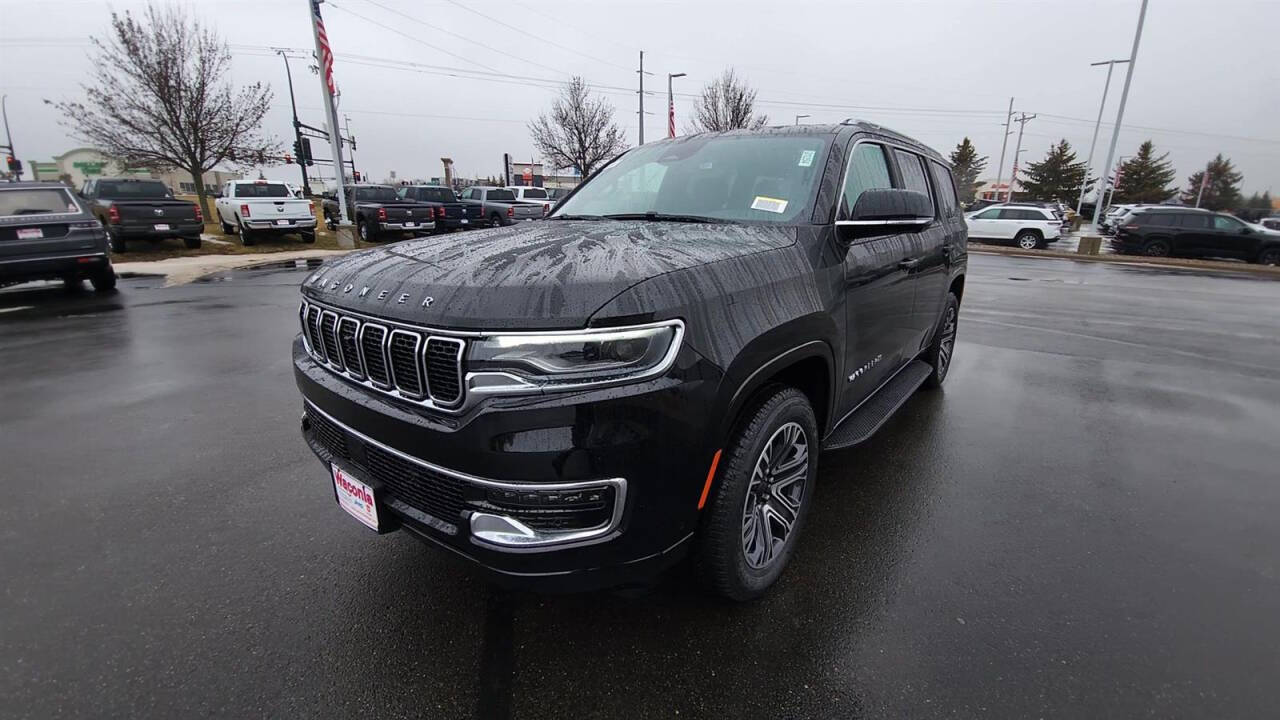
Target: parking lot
[(1083, 523)]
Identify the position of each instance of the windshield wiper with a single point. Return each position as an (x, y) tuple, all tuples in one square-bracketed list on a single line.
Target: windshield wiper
[(665, 217), (578, 217)]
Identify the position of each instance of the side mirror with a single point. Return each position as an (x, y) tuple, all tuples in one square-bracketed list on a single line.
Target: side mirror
[(886, 211)]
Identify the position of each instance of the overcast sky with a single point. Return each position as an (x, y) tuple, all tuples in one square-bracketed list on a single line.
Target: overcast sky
[(1207, 78)]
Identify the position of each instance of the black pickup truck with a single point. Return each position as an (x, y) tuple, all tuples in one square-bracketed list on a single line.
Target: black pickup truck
[(142, 209), (377, 210), (45, 234), (451, 213), (653, 371)]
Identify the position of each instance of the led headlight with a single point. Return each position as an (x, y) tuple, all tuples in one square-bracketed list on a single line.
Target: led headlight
[(557, 360)]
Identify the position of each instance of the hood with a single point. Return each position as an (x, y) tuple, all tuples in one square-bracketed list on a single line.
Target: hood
[(541, 275)]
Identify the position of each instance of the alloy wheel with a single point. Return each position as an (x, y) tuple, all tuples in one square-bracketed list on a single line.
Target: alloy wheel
[(775, 494), (947, 343), (1028, 241)]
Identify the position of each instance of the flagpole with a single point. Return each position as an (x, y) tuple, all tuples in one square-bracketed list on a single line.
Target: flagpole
[(324, 56)]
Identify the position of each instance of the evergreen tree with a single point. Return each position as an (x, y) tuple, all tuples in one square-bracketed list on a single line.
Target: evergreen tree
[(1056, 178), (1145, 178), (1223, 190), (967, 166)]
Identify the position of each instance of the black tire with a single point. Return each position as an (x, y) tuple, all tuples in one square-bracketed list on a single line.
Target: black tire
[(1029, 240), (330, 222), (1269, 256), (942, 350), (308, 237), (723, 559), (1156, 248), (246, 236), (227, 228), (192, 243), (104, 280), (495, 220), (365, 232), (116, 242), (72, 284)]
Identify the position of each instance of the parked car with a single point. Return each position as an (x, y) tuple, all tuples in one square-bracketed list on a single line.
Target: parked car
[(981, 204), (377, 210), (533, 196), (557, 194), (1270, 223), (1108, 223), (499, 205), (450, 212), (653, 371), (141, 209), (254, 209), (1188, 232), (1027, 226), (47, 234)]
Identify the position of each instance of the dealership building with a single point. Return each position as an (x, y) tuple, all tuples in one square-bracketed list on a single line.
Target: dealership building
[(74, 167)]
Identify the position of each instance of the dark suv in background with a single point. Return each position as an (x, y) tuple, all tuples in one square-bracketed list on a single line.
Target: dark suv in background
[(46, 234), (650, 373), (1186, 232)]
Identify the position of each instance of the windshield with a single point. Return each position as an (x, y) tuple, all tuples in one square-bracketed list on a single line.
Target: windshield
[(745, 178), (376, 194), (275, 190), (36, 201), (131, 189)]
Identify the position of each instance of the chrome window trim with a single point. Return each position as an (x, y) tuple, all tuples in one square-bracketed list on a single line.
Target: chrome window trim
[(460, 376), (359, 351), (875, 223), (551, 541), (417, 365), (887, 144)]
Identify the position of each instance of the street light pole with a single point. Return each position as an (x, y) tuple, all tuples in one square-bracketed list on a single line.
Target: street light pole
[(297, 130), (798, 117), (1013, 176), (1088, 165), (346, 124), (671, 105), (641, 115), (1004, 144), (1124, 98), (4, 110)]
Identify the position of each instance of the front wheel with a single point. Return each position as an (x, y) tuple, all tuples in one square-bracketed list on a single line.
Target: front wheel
[(943, 346), (1156, 248), (764, 490)]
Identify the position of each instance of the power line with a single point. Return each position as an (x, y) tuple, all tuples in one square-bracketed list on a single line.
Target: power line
[(525, 33), (410, 37)]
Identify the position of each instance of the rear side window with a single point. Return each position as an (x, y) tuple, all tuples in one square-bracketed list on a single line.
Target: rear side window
[(868, 170), (1160, 219), (913, 177), (991, 214), (946, 189), (499, 196), (431, 194), (36, 201), (1193, 221), (130, 189)]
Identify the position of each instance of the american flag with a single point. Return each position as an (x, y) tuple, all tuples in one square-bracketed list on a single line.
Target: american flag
[(671, 119), (326, 55)]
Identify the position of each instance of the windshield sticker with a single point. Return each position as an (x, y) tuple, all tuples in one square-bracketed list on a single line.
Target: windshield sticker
[(806, 158), (768, 204)]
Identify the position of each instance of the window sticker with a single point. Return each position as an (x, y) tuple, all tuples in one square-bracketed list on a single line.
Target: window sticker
[(806, 158), (768, 204)]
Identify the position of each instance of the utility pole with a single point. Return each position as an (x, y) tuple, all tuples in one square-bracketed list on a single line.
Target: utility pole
[(297, 131), (1013, 176), (346, 125), (671, 105), (1204, 180), (642, 74), (324, 56), (15, 165), (1088, 165), (799, 117), (1004, 144), (1124, 98)]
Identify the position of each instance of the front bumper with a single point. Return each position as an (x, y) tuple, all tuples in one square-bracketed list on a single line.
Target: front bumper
[(294, 224), (38, 267), (646, 443)]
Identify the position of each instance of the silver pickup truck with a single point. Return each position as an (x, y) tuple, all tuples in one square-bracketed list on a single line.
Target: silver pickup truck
[(499, 205)]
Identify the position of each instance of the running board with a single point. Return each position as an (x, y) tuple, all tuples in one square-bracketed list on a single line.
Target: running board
[(876, 410)]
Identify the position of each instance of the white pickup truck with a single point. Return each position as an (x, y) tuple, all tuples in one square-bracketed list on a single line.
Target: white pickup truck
[(255, 208)]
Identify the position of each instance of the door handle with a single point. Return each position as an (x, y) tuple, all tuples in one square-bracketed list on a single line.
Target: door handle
[(909, 264)]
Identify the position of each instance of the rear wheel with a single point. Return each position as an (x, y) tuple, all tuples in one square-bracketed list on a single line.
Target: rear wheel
[(1029, 240), (943, 346), (495, 220), (104, 280), (1156, 248), (308, 237), (1269, 256), (330, 222), (765, 486), (192, 243), (246, 236), (366, 234)]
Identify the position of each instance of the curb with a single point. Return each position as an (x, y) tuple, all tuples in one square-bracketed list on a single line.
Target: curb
[(1174, 263), (183, 270)]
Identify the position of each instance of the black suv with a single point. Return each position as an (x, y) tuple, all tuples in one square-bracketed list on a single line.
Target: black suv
[(1187, 232), (46, 234), (653, 371)]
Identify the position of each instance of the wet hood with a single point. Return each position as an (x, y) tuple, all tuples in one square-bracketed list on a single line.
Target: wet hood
[(541, 275)]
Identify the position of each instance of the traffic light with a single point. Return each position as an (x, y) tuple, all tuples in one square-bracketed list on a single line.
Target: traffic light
[(355, 175), (302, 151), (288, 159), (15, 165)]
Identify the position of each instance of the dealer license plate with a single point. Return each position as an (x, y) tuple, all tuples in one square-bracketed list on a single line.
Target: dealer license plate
[(161, 226), (355, 497), (411, 224), (30, 233), (282, 222), (465, 221)]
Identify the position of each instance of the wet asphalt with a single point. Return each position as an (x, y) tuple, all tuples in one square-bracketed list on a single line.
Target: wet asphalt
[(1082, 524)]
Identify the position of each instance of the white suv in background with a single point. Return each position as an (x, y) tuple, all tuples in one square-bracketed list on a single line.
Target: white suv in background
[(1029, 227)]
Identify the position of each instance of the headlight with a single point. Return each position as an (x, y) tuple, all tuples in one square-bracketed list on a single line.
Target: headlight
[(532, 362)]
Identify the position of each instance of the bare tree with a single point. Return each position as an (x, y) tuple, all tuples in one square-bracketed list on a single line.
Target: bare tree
[(157, 99), (727, 103), (579, 131)]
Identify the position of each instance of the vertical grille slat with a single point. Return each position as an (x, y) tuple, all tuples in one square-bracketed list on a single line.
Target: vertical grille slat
[(329, 337), (313, 331), (348, 329), (405, 369), (443, 360), (372, 338)]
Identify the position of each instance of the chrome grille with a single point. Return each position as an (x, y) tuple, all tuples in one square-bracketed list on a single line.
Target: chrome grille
[(411, 364)]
